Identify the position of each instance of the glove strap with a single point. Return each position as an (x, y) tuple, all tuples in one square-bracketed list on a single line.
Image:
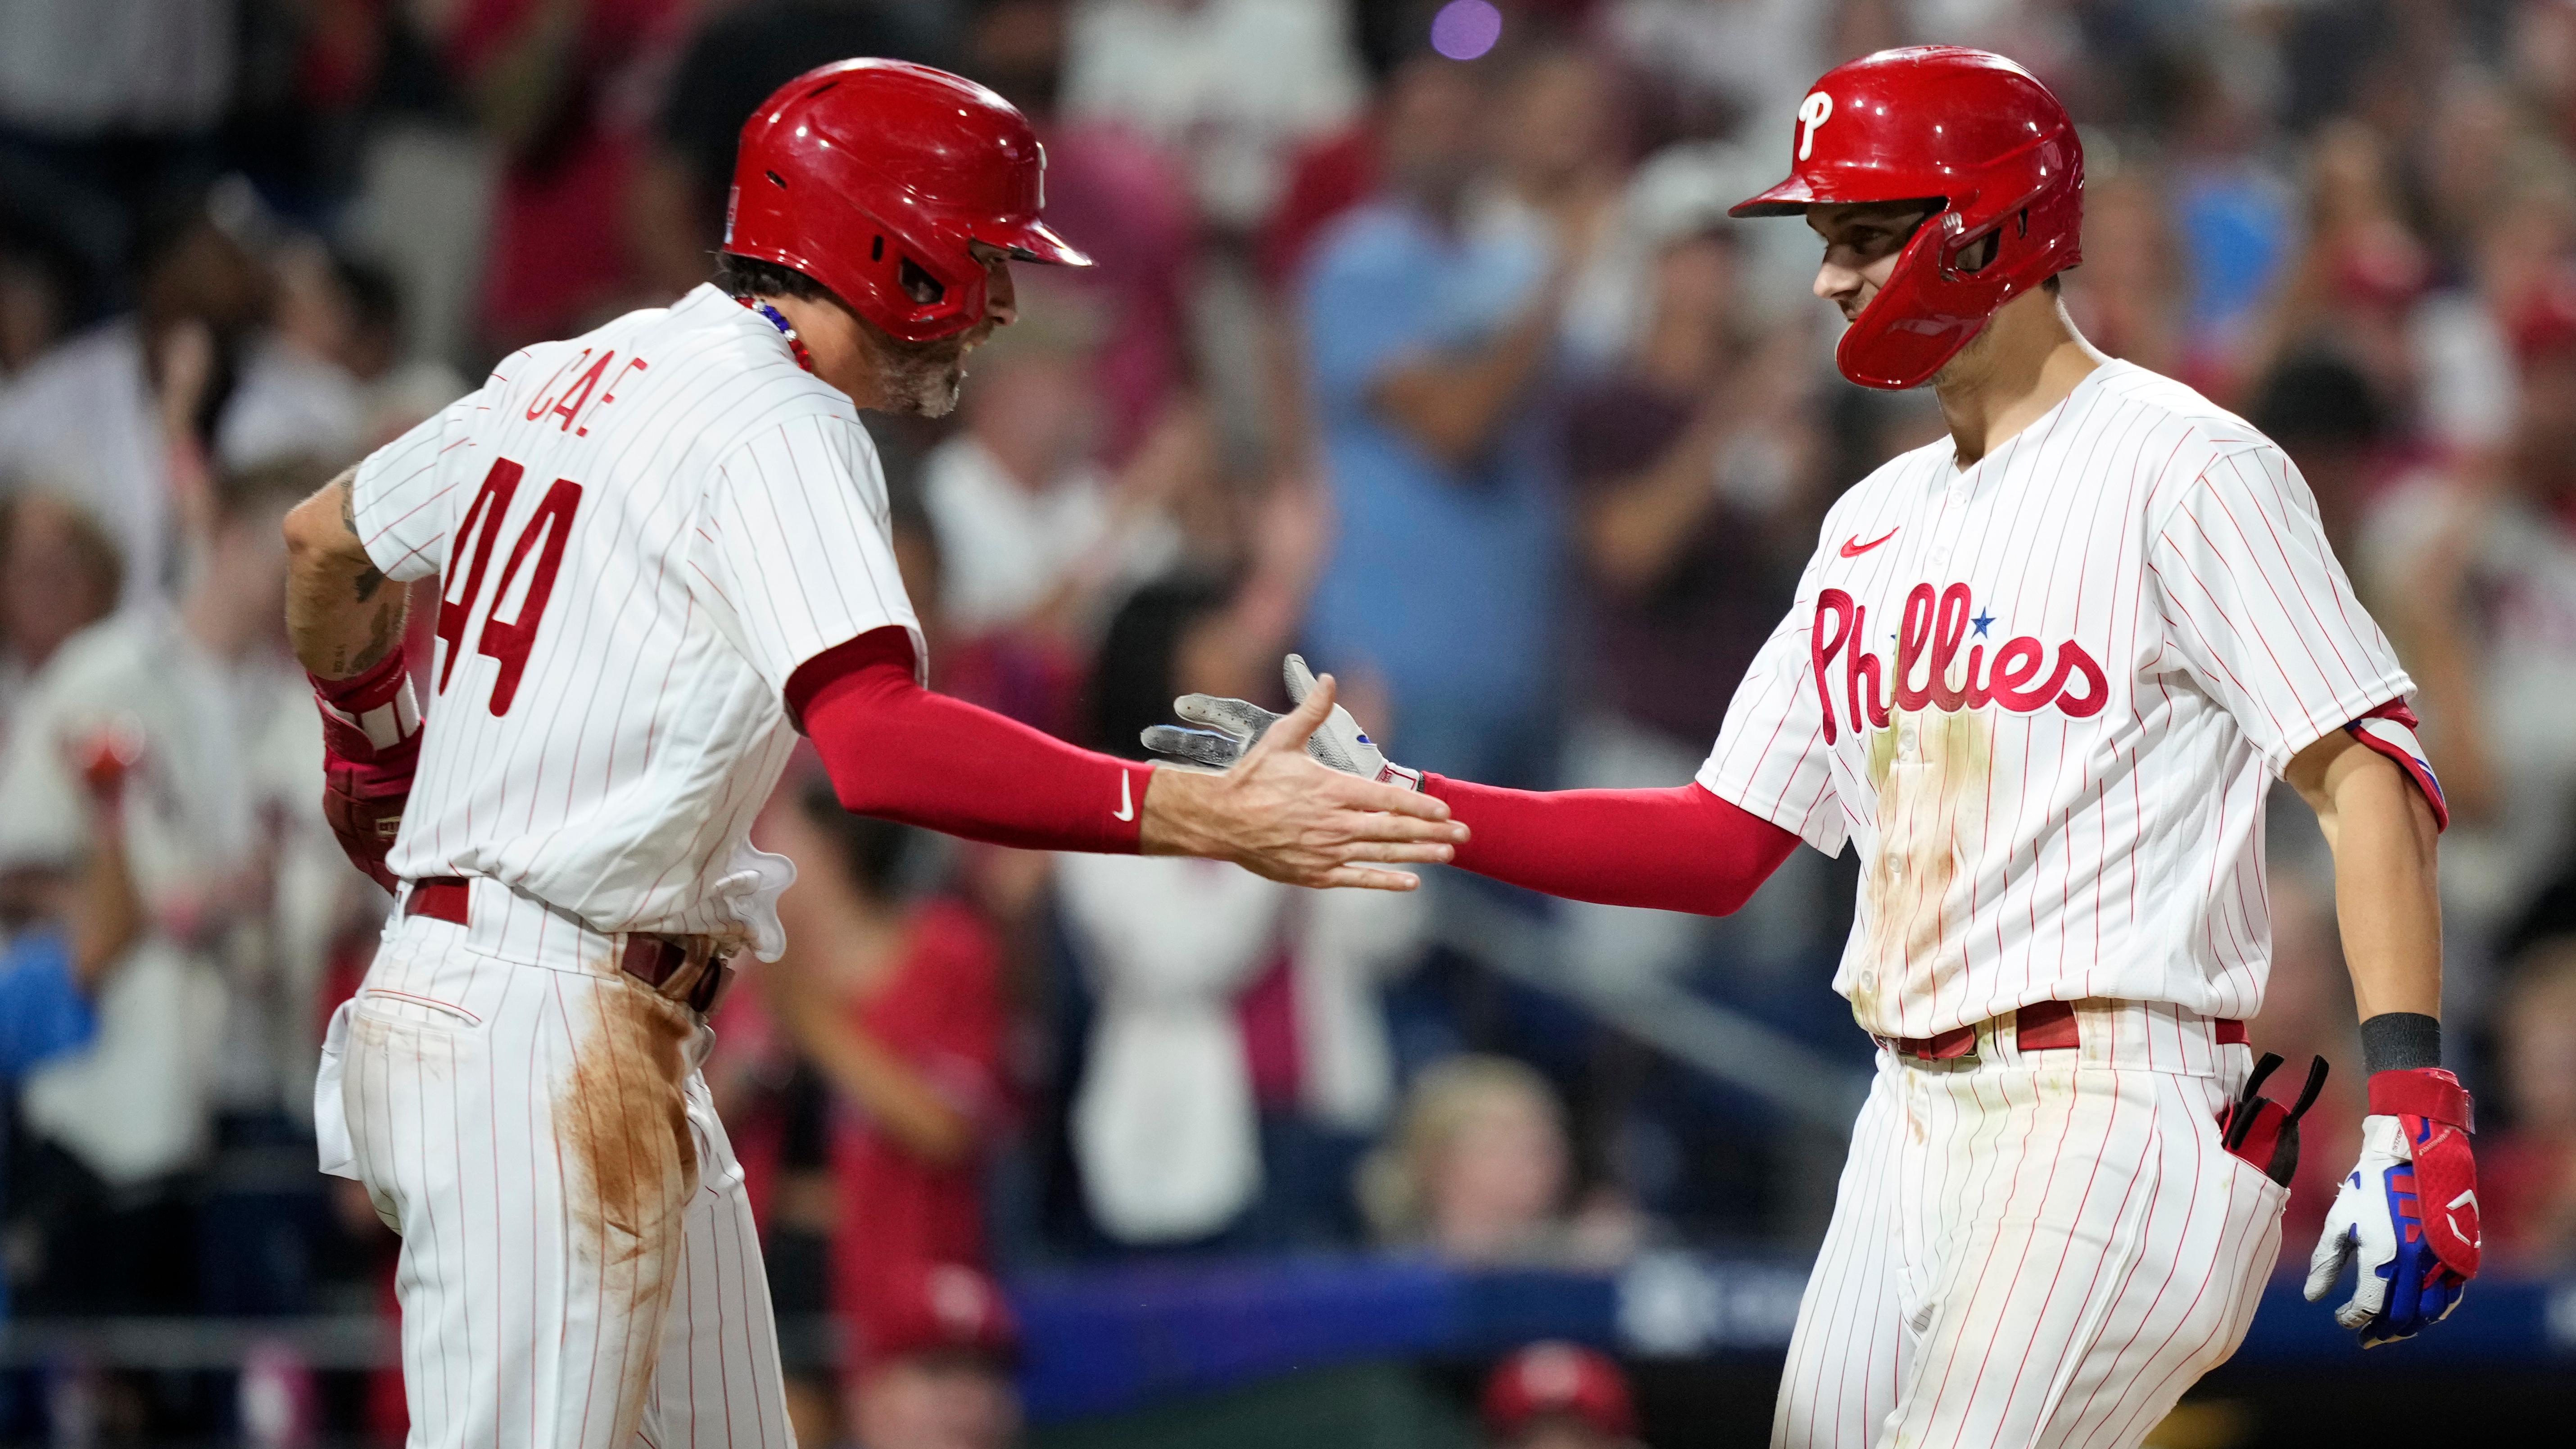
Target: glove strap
[(1400, 777), (2429, 1092), (370, 712)]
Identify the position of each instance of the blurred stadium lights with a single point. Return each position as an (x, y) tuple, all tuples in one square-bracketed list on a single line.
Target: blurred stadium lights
[(1466, 29)]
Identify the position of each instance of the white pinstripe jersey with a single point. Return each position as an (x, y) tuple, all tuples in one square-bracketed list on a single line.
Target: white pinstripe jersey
[(642, 532), (2046, 695)]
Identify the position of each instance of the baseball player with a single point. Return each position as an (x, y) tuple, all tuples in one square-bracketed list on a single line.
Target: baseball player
[(663, 550), (2042, 674)]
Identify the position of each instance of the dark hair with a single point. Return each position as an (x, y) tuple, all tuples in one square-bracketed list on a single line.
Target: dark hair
[(873, 849), (1132, 683), (750, 277)]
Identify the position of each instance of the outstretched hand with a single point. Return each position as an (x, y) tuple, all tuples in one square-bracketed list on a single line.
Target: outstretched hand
[(1282, 815)]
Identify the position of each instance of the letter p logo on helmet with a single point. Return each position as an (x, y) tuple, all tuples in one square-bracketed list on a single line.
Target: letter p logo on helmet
[(1812, 114)]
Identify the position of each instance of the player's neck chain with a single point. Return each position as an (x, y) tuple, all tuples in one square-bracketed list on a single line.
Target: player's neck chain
[(795, 344)]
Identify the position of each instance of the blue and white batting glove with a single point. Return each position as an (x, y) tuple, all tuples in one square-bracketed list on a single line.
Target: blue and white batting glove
[(1231, 726), (2407, 1214)]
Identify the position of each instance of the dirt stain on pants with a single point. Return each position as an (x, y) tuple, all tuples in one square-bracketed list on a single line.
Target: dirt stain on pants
[(630, 1167)]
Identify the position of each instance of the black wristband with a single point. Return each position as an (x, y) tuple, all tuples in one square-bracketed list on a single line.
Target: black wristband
[(2400, 1041)]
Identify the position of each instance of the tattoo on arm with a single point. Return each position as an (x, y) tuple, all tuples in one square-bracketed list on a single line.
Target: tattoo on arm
[(344, 640), (370, 578), (384, 633)]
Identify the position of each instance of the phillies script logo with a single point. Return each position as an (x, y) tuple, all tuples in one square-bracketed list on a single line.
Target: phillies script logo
[(1927, 648)]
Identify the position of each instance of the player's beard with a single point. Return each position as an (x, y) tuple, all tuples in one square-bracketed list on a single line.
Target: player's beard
[(923, 378)]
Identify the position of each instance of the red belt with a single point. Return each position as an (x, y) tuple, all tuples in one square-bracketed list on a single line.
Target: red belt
[(2039, 1027), (653, 960)]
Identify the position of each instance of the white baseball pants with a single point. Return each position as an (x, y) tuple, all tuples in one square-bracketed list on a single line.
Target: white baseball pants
[(579, 1267), (2033, 1249)]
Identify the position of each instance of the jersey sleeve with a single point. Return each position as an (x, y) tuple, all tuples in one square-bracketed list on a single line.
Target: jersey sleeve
[(2258, 611), (1772, 758), (794, 552), (403, 500)]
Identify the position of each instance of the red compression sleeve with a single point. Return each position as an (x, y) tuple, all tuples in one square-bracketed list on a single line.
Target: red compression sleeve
[(1667, 850), (897, 751)]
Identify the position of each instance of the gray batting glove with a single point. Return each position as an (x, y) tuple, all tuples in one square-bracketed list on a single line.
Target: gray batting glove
[(1233, 724)]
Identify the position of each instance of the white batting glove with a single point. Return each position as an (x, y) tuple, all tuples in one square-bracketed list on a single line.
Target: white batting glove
[(1233, 724), (2406, 1215)]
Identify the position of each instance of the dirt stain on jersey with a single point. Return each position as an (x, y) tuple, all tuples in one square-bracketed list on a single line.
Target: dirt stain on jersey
[(1930, 769), (630, 1163)]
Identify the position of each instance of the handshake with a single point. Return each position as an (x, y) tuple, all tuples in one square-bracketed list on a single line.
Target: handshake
[(1234, 726), (1278, 816)]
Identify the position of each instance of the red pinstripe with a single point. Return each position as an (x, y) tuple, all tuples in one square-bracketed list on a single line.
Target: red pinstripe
[(411, 1089), (2103, 1343), (2057, 1274), (733, 519), (2196, 614), (2281, 549)]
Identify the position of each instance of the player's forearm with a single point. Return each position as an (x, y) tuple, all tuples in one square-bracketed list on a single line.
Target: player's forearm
[(2387, 896), (1682, 849), (342, 615), (898, 752)]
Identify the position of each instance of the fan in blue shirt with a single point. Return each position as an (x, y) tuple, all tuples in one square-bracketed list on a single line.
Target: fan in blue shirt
[(49, 972), (1431, 344)]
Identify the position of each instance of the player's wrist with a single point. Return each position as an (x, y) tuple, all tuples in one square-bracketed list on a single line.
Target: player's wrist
[(1176, 815), (370, 686), (2400, 1041), (372, 714), (2427, 1092)]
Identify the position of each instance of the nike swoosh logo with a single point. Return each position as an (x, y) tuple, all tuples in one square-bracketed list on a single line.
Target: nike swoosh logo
[(1854, 548), (1126, 797)]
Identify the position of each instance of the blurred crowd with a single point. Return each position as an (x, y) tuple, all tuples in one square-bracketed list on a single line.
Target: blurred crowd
[(1447, 370)]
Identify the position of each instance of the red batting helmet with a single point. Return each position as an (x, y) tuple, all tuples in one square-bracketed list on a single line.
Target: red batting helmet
[(1966, 127), (871, 176)]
